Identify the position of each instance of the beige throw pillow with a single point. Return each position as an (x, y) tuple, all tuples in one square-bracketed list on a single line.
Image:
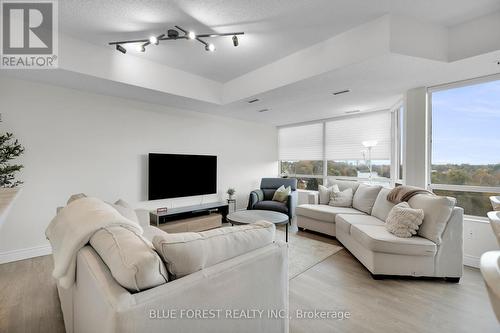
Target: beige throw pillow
[(126, 210), (282, 193), (404, 221), (341, 198), (325, 192)]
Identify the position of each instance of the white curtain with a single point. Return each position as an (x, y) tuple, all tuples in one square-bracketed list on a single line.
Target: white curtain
[(344, 137), (303, 142)]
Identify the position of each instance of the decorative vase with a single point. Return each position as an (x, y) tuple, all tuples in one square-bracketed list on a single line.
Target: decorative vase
[(7, 198)]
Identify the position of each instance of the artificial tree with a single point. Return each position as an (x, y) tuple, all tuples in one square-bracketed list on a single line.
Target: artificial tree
[(10, 148)]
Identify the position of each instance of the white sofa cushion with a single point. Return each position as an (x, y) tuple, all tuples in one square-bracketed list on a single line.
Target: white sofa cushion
[(377, 239), (188, 252), (437, 212), (382, 206), (344, 184), (365, 197), (324, 213), (325, 192), (131, 259), (344, 221), (341, 198)]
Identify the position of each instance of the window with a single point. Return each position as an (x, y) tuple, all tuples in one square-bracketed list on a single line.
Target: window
[(356, 144), (400, 143), (334, 148), (465, 148), (301, 154)]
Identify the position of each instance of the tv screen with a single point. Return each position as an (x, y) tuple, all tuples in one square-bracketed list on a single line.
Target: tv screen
[(174, 176)]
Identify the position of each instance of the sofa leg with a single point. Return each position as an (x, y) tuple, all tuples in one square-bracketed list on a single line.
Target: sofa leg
[(377, 276), (452, 279)]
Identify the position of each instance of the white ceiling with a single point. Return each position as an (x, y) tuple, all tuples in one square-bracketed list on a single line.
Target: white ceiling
[(294, 54), (273, 28)]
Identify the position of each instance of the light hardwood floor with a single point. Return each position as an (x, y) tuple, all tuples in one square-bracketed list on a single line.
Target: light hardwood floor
[(29, 302)]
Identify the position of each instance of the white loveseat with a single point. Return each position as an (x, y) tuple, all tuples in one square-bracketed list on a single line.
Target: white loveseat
[(255, 280), (436, 251)]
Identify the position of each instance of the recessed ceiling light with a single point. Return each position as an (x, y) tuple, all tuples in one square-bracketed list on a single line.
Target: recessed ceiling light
[(153, 40), (341, 92), (253, 100), (191, 35), (353, 111), (263, 110)]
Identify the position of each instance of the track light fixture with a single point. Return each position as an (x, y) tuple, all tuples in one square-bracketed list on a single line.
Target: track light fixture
[(174, 34)]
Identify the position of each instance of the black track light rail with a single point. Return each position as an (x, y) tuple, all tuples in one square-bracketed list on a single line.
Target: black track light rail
[(162, 37)]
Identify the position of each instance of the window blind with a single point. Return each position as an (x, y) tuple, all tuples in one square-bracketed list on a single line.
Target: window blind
[(301, 142), (344, 137)]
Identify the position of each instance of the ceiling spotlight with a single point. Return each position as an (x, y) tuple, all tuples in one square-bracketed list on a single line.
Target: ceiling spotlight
[(210, 47), (121, 48), (191, 35), (235, 40), (153, 40), (141, 48), (172, 33)]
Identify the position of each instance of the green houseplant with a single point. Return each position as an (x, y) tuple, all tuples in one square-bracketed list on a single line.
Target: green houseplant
[(230, 192), (10, 149)]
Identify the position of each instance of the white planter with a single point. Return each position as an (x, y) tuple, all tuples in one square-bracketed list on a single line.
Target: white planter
[(7, 198)]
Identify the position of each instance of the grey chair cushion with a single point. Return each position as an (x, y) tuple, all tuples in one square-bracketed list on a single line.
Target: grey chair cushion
[(272, 205), (274, 183)]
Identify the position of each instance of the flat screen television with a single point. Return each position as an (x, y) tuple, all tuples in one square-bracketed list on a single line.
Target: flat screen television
[(174, 175)]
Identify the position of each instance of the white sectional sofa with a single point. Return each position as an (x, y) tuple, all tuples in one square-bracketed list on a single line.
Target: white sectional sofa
[(205, 300), (436, 251)]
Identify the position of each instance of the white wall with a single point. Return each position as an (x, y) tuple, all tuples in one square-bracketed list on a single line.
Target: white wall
[(96, 144)]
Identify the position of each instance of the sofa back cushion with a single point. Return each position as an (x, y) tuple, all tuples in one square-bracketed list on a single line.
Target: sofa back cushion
[(437, 212), (344, 184), (186, 253), (382, 206), (132, 260), (274, 183), (364, 197), (325, 192), (268, 193)]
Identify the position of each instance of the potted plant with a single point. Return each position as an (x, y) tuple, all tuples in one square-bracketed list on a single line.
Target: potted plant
[(230, 192), (10, 149)]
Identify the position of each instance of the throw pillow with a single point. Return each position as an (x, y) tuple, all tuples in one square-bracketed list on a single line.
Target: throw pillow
[(325, 192), (404, 221), (126, 210), (75, 197), (365, 197), (282, 193), (341, 198)]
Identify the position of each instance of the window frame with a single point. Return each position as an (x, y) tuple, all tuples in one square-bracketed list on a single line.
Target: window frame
[(450, 187), (325, 177)]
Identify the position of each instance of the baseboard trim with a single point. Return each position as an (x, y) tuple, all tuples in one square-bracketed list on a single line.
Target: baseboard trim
[(471, 261), (21, 254)]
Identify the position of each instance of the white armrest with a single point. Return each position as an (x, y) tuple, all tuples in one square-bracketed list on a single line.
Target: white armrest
[(313, 198)]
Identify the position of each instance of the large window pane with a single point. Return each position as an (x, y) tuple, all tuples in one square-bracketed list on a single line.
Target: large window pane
[(360, 169), (473, 203), (465, 135), (302, 168), (305, 183)]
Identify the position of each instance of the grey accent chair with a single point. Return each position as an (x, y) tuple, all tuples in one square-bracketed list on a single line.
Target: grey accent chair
[(263, 198)]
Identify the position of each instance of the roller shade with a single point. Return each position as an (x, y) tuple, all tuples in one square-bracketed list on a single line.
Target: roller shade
[(344, 137), (301, 142)]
